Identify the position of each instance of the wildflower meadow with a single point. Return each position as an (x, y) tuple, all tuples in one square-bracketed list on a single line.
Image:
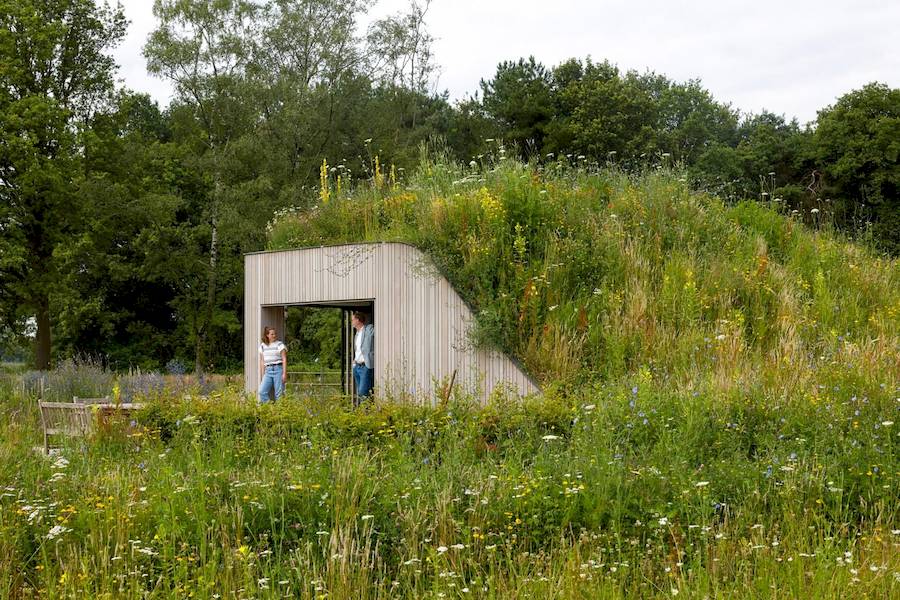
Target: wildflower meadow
[(719, 418)]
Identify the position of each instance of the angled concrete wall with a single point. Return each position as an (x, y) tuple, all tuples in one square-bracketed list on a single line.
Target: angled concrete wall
[(421, 323)]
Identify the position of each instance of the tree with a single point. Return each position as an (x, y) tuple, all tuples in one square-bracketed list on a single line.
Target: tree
[(204, 48), (113, 304), (857, 146), (401, 65), (54, 76), (606, 114), (691, 121), (774, 158), (400, 49), (307, 83), (468, 128), (520, 98)]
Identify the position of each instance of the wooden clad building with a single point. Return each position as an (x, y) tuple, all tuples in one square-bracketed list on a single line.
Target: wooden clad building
[(421, 323)]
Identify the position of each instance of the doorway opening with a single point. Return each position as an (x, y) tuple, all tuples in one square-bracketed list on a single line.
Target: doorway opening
[(320, 342)]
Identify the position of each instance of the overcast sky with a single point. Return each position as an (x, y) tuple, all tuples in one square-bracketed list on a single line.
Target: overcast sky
[(790, 57)]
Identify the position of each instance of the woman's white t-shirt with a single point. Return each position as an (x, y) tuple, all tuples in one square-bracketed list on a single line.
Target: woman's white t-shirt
[(271, 353)]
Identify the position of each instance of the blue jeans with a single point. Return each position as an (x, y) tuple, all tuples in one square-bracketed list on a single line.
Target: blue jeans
[(364, 378), (271, 378)]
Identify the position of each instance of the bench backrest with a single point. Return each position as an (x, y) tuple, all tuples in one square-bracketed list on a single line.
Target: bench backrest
[(103, 400), (66, 418)]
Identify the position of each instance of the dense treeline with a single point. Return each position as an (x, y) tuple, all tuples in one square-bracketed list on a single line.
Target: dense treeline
[(124, 223), (843, 167)]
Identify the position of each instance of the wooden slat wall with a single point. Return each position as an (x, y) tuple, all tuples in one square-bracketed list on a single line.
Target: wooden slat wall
[(421, 323)]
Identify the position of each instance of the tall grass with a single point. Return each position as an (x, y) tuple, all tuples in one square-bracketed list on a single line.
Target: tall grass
[(628, 490)]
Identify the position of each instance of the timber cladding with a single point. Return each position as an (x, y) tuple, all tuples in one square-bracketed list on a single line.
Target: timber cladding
[(421, 323)]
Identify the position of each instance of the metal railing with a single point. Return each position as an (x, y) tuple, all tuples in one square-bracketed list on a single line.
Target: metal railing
[(324, 382)]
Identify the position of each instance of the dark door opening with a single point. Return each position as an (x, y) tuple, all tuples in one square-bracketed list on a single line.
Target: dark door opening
[(320, 341)]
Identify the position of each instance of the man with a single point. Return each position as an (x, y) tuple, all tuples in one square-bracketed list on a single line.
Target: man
[(363, 357)]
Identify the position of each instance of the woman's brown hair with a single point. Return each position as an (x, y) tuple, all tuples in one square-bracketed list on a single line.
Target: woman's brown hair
[(265, 336)]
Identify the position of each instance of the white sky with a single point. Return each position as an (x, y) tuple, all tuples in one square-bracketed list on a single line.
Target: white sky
[(791, 57)]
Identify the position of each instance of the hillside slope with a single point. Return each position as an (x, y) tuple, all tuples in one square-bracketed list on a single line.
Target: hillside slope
[(588, 275)]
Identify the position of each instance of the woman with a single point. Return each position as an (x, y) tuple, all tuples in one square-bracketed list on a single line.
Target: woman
[(272, 365)]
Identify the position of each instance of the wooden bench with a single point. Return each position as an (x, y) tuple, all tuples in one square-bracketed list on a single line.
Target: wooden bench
[(103, 400), (71, 419)]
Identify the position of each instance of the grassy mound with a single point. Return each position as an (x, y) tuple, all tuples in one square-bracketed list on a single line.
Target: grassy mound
[(586, 276)]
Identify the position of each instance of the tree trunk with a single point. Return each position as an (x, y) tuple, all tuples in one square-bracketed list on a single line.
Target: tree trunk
[(42, 341), (211, 287), (198, 353)]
